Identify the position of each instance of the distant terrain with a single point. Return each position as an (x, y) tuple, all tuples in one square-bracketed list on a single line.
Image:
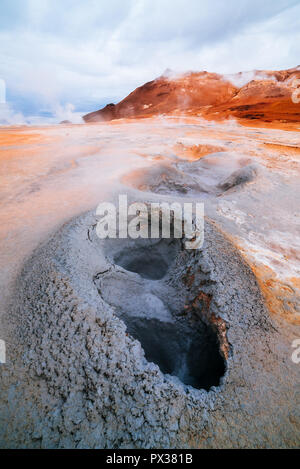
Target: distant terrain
[(263, 95)]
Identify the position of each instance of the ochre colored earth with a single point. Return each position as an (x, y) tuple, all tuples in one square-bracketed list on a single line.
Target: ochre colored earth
[(271, 96)]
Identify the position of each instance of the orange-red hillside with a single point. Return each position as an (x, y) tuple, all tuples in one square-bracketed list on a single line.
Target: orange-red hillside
[(262, 95)]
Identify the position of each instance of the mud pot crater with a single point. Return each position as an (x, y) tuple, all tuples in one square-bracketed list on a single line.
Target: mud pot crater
[(141, 344), (157, 314)]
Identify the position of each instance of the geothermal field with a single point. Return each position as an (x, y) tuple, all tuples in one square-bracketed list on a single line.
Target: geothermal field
[(142, 343)]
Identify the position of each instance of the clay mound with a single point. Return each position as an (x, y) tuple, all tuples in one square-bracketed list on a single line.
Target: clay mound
[(115, 349), (209, 176), (267, 97)]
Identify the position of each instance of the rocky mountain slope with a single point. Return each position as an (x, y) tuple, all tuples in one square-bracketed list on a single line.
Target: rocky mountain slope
[(259, 95)]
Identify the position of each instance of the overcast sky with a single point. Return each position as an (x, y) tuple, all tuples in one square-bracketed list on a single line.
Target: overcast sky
[(91, 52)]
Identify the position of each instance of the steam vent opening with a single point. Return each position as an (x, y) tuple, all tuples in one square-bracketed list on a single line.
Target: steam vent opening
[(153, 307), (150, 261), (146, 264), (194, 357)]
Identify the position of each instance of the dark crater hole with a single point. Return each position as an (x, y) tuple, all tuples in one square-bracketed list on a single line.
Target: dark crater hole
[(146, 264), (151, 261), (181, 346), (193, 356)]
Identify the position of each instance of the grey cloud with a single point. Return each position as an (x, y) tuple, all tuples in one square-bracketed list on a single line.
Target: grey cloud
[(92, 52)]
